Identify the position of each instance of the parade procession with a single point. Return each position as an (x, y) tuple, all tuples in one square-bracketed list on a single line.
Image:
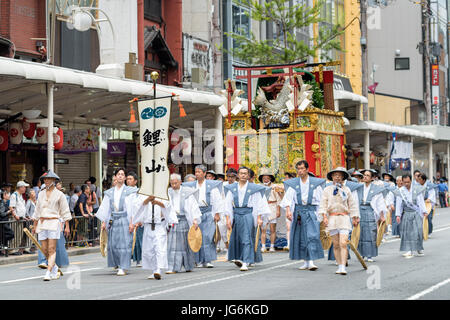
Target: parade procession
[(223, 150)]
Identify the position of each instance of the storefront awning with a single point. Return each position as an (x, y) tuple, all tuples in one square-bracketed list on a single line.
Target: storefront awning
[(382, 127), (347, 98), (92, 98), (438, 131)]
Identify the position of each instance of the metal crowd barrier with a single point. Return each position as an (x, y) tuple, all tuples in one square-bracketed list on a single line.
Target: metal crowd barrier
[(83, 232)]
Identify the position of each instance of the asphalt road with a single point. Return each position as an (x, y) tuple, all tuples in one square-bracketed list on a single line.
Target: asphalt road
[(390, 277)]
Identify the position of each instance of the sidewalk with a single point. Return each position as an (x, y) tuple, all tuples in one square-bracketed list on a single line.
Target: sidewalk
[(71, 251)]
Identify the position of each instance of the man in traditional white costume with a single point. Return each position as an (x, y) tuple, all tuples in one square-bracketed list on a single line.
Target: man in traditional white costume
[(156, 215), (51, 206)]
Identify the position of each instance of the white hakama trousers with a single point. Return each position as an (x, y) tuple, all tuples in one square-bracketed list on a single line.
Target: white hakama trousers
[(154, 248)]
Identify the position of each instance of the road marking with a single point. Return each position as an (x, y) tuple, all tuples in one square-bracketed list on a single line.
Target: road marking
[(201, 276), (38, 277), (210, 281), (434, 231), (429, 290)]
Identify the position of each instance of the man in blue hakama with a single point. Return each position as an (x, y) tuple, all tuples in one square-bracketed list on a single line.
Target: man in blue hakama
[(117, 220), (410, 211), (245, 208), (301, 201), (209, 198), (372, 208)]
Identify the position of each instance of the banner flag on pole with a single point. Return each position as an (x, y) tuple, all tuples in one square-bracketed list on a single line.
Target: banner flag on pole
[(154, 117)]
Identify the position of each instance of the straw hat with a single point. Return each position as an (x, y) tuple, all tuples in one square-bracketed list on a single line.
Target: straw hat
[(425, 228), (356, 232), (195, 239), (389, 218), (217, 234), (266, 172), (49, 174), (381, 231), (324, 237), (338, 169), (258, 234), (228, 235), (391, 177), (103, 242), (428, 206)]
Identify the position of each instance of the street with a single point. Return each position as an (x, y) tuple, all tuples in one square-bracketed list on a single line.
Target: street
[(276, 278)]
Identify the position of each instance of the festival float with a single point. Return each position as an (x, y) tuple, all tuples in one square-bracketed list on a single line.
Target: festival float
[(291, 118)]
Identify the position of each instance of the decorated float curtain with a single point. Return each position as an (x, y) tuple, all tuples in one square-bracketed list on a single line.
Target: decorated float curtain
[(331, 155), (259, 151)]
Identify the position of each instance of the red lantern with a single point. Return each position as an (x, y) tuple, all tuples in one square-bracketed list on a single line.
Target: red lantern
[(58, 139), (15, 133), (3, 140), (41, 135), (372, 158), (28, 128)]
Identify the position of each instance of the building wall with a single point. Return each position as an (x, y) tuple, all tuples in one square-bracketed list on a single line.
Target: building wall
[(22, 20), (390, 110), (123, 16), (353, 45), (398, 26), (171, 30)]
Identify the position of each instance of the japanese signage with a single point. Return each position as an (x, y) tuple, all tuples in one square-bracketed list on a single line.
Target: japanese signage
[(154, 117), (435, 93), (197, 60), (434, 75), (80, 140)]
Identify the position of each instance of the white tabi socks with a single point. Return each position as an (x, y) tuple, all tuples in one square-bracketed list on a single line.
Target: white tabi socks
[(305, 266)]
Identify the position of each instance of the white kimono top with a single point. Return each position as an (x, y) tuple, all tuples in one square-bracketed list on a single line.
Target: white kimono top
[(192, 211), (257, 202), (104, 211), (216, 200), (408, 196), (377, 203), (143, 213), (290, 197)]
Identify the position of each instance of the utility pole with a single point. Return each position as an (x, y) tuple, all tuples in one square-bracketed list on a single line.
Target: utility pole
[(426, 57), (364, 59), (448, 74)]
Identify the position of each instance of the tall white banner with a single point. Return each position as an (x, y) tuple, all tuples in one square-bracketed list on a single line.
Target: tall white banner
[(154, 117)]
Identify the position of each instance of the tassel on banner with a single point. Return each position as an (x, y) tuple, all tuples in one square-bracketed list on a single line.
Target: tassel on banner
[(132, 113), (182, 111)]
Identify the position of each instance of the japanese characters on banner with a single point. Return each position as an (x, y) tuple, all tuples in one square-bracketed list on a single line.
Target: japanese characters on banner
[(154, 117), (435, 108)]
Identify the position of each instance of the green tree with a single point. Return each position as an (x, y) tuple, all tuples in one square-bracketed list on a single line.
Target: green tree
[(285, 48)]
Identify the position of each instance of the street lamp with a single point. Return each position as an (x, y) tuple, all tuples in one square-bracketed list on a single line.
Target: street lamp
[(81, 19)]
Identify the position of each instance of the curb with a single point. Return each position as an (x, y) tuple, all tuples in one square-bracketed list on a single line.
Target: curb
[(33, 257)]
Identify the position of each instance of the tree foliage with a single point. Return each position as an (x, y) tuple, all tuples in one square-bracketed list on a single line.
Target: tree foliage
[(286, 48)]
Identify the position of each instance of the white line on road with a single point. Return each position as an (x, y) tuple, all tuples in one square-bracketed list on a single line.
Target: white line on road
[(429, 290), (434, 231), (247, 273), (32, 278)]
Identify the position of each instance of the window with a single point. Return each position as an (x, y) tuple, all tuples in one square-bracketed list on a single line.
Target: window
[(152, 10), (401, 63), (240, 22)]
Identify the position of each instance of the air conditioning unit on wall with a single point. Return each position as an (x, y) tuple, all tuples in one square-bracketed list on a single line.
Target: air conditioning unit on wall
[(198, 75)]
